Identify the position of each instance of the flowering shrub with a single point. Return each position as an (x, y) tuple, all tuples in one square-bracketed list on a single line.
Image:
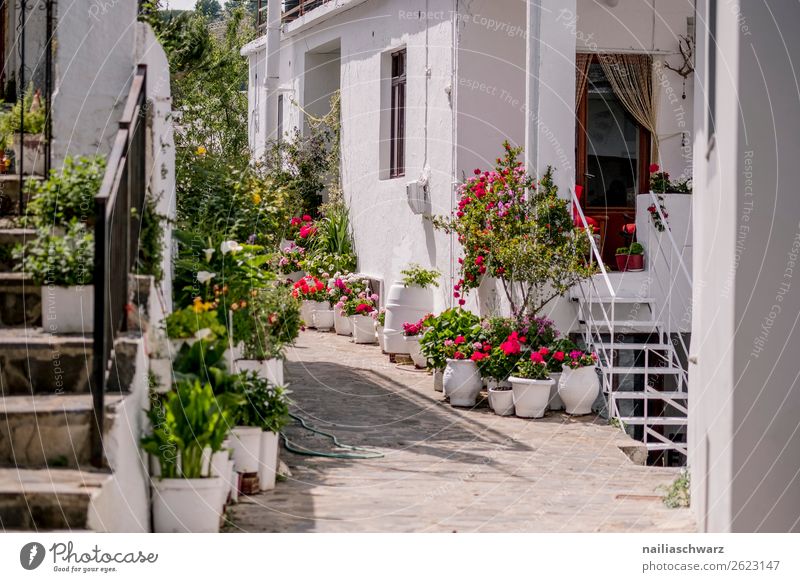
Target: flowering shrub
[(519, 231), (309, 288), (289, 258), (579, 359), (660, 184), (301, 229), (556, 353), (361, 304), (541, 331), (464, 348), (532, 368), (198, 320), (380, 317)]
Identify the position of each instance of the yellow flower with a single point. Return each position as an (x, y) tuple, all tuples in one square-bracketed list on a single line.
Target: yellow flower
[(201, 150), (256, 198)]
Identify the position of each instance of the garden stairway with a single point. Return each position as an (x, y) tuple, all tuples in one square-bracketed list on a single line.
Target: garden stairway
[(643, 379), (46, 412)]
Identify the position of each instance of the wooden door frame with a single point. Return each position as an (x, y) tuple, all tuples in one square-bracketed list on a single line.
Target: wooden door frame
[(581, 145)]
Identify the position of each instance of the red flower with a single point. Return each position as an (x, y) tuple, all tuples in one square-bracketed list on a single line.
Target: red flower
[(461, 302), (537, 357), (558, 356), (477, 171), (306, 218), (294, 221), (544, 351), (479, 260), (653, 168), (478, 356), (458, 356), (460, 340), (307, 231), (363, 308), (511, 346), (487, 346)]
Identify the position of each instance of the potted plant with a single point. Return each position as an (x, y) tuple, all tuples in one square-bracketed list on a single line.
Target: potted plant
[(30, 149), (380, 320), (449, 324), (322, 319), (344, 288), (266, 407), (289, 260), (62, 265), (265, 326), (313, 296), (408, 300), (359, 310), (579, 384), (186, 423), (505, 348), (412, 332), (462, 378), (630, 258), (555, 355), (67, 194), (531, 386), (187, 325)]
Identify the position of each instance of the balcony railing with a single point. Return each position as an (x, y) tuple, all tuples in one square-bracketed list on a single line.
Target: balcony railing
[(118, 208), (292, 9)]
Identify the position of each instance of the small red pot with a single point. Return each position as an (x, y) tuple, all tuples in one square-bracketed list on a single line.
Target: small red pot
[(630, 262)]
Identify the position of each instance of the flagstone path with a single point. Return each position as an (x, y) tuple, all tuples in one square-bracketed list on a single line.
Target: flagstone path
[(444, 469)]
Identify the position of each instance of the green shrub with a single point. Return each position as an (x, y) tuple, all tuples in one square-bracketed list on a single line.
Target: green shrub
[(416, 275), (269, 322), (34, 117), (448, 325), (68, 193), (61, 260), (185, 323), (264, 406)]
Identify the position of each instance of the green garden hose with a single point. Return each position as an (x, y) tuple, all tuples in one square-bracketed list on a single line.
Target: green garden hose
[(365, 454)]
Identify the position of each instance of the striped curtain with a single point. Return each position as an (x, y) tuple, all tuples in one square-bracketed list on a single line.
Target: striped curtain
[(582, 62)]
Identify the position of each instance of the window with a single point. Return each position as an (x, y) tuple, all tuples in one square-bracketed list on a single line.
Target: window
[(397, 127), (280, 118), (711, 50)]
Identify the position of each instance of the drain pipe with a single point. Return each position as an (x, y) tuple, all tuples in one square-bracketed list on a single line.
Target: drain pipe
[(532, 61), (453, 137), (272, 69)]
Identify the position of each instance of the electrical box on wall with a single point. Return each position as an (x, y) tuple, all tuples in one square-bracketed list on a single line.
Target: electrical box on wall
[(417, 193)]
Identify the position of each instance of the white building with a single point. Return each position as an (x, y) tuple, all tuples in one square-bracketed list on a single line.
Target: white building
[(431, 88)]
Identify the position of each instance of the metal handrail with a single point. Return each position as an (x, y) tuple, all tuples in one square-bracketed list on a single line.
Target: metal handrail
[(118, 211), (303, 6)]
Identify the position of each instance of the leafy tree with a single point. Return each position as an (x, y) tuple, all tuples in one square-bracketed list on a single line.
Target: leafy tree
[(208, 8)]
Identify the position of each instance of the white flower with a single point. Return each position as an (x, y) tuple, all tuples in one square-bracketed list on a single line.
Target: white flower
[(209, 253), (230, 246), (205, 276), (201, 333)]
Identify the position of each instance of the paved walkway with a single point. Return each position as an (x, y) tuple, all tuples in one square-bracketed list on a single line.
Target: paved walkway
[(444, 469)]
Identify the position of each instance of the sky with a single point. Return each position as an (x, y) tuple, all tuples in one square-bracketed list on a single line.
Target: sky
[(183, 4)]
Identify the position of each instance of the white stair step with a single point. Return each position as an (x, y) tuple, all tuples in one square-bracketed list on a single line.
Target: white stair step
[(618, 300), (652, 370), (651, 446), (654, 420), (637, 324), (619, 346), (652, 395)]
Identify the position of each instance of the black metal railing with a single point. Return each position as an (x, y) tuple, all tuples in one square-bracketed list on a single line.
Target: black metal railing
[(118, 208), (293, 9)]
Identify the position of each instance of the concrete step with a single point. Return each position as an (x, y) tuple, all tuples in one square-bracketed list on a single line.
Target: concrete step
[(49, 499), (655, 420), (650, 395), (12, 233), (48, 430), (634, 346), (641, 370), (628, 325), (34, 362), (9, 193), (20, 301)]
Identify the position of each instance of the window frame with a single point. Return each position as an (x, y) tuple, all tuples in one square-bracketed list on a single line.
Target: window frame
[(397, 113)]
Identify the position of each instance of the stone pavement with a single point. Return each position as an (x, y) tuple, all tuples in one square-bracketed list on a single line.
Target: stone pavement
[(444, 469)]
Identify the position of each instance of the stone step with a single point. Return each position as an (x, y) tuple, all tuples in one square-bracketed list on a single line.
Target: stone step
[(34, 362), (49, 499), (12, 233), (9, 193), (20, 301), (48, 430)]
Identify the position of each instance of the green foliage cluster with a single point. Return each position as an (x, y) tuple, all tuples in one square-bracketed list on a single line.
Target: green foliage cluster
[(269, 322), (185, 323), (448, 325), (414, 275), (264, 406), (34, 118), (67, 193), (635, 249), (56, 258)]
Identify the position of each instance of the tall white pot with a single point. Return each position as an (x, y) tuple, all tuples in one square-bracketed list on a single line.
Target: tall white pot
[(342, 323), (415, 351), (271, 370), (68, 309), (578, 389), (530, 396), (462, 382), (404, 304), (268, 462), (363, 329), (379, 335), (555, 402), (246, 445), (438, 380), (186, 505), (307, 309), (322, 319)]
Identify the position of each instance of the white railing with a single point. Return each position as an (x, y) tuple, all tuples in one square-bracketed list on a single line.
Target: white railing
[(592, 297)]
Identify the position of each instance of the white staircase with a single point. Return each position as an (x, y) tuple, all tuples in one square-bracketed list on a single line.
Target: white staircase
[(643, 377)]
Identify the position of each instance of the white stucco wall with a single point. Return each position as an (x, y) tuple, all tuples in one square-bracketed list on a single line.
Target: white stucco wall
[(744, 400), (93, 67)]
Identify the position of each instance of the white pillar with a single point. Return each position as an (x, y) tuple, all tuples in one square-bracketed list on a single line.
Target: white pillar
[(272, 80), (550, 90)]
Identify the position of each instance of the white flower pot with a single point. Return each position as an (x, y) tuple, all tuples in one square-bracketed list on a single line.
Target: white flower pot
[(271, 370), (404, 304), (162, 371), (234, 481), (501, 400), (578, 389), (379, 335), (246, 444), (31, 152), (414, 350), (322, 319), (68, 309), (186, 505), (530, 396), (462, 382), (342, 323), (363, 329), (555, 402), (438, 380), (307, 309), (219, 468), (268, 462)]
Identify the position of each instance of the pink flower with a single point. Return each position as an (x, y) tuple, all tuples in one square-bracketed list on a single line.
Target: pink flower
[(461, 302), (479, 260), (544, 351), (478, 356), (653, 168), (537, 357), (448, 343), (306, 218), (460, 340)]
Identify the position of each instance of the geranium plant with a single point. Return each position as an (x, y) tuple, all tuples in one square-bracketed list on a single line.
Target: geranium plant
[(579, 359), (380, 317), (289, 259), (418, 327), (309, 288), (519, 231), (660, 184), (532, 368), (361, 304), (448, 325), (557, 353), (264, 406)]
